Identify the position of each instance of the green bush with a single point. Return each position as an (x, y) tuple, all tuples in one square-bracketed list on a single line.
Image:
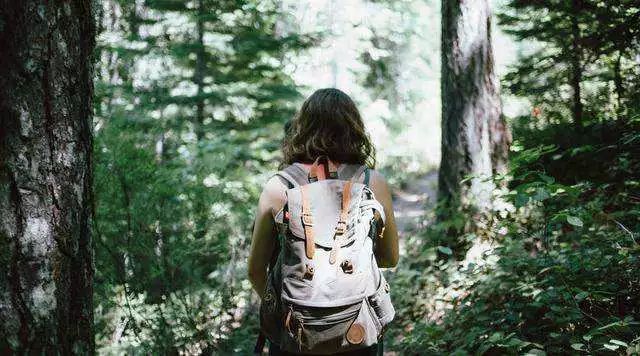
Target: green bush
[(557, 270)]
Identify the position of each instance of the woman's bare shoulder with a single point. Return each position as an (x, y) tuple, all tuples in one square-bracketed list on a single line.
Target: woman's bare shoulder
[(274, 194)]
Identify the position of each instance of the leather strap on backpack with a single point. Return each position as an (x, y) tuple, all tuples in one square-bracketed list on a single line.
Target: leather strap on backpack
[(346, 200), (341, 228), (307, 223)]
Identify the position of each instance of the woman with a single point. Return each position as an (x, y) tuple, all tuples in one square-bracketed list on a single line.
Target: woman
[(328, 124)]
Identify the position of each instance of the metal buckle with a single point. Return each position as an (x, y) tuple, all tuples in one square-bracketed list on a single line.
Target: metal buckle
[(341, 228), (308, 273), (347, 267), (307, 219)]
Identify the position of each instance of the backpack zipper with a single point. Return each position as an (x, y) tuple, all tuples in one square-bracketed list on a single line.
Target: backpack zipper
[(319, 321)]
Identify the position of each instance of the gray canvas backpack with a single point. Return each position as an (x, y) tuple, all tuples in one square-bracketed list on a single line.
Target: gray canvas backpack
[(325, 293)]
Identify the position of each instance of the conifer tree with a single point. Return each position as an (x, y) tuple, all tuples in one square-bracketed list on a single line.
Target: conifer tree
[(579, 42), (46, 87), (475, 138), (191, 101)]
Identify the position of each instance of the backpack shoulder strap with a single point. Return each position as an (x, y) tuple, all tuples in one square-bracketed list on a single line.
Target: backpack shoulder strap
[(294, 176), (360, 171)]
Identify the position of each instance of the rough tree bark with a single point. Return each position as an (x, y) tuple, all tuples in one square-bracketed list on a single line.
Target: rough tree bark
[(475, 137), (45, 177)]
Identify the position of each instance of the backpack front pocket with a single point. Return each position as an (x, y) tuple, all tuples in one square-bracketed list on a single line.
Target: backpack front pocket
[(328, 330)]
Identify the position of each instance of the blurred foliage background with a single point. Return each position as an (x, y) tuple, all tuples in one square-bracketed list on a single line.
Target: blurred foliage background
[(191, 100)]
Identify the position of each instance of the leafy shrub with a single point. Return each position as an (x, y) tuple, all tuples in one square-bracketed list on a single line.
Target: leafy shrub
[(558, 268)]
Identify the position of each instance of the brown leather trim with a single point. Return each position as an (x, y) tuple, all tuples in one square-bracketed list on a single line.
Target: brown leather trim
[(341, 228), (307, 223), (346, 201), (355, 334)]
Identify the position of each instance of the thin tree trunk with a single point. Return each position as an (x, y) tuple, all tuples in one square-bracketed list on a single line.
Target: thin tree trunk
[(45, 177), (619, 85), (200, 206), (198, 75), (475, 138), (576, 68), (159, 283)]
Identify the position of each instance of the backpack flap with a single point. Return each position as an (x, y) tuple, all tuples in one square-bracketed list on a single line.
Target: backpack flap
[(325, 206)]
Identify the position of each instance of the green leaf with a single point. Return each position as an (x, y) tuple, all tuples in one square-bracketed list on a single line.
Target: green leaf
[(445, 250), (578, 346), (618, 342), (546, 178), (611, 347), (615, 323), (484, 347), (575, 221), (521, 200), (581, 296), (541, 194)]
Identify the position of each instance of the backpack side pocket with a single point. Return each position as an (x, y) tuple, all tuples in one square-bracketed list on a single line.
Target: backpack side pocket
[(271, 313), (380, 303)]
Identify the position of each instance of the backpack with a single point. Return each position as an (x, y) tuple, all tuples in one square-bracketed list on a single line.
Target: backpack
[(325, 293)]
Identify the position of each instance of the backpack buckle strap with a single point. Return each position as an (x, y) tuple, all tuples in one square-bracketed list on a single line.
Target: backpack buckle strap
[(341, 227), (333, 254), (307, 224), (307, 219), (309, 241)]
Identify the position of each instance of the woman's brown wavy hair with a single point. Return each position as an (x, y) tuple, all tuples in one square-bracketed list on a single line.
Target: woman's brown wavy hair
[(329, 124)]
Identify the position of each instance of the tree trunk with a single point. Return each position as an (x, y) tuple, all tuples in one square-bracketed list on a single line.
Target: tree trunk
[(576, 67), (45, 177), (475, 138), (200, 206), (198, 74), (619, 85)]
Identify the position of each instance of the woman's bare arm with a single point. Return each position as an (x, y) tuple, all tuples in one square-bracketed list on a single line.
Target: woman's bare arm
[(263, 239), (386, 250)]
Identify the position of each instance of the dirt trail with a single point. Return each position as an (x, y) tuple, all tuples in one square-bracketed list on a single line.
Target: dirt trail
[(412, 202)]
